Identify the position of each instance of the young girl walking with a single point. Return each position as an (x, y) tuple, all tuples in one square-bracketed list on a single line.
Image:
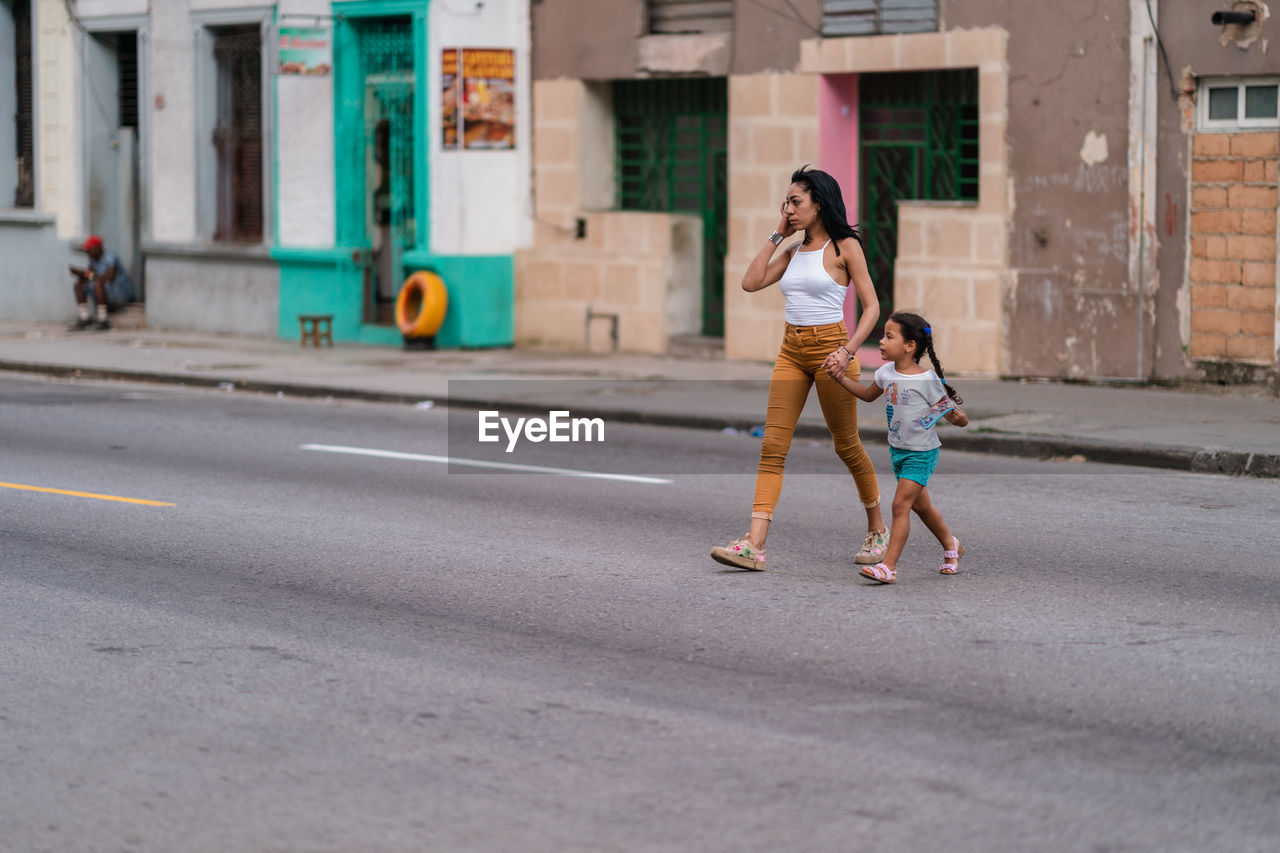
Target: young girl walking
[(915, 399)]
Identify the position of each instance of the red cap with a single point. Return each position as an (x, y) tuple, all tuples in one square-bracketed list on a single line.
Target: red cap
[(94, 242)]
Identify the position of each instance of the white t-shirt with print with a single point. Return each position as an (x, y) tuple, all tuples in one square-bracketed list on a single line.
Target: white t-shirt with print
[(913, 404)]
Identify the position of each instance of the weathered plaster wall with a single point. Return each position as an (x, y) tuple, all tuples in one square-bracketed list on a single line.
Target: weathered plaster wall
[(590, 41), (304, 146), (608, 40), (59, 178), (173, 119), (35, 286), (237, 294), (481, 200), (1069, 308)]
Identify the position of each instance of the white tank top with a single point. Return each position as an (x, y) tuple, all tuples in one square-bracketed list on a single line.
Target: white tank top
[(813, 296)]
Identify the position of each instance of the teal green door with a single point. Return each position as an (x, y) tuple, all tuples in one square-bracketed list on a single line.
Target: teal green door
[(918, 136), (672, 156), (376, 195)]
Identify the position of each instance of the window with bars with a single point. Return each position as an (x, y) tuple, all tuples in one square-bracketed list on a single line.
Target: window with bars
[(25, 192), (672, 140), (127, 59), (690, 16), (237, 133), (873, 17)]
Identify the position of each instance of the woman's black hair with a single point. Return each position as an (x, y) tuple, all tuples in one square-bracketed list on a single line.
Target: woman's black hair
[(825, 192), (916, 329)]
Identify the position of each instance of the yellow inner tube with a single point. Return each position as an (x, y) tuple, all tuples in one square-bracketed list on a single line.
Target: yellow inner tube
[(421, 305)]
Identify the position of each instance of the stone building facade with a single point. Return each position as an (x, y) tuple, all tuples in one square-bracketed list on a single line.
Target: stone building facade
[(1094, 224)]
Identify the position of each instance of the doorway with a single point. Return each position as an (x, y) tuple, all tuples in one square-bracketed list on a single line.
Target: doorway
[(111, 86), (919, 141), (672, 144), (378, 109)]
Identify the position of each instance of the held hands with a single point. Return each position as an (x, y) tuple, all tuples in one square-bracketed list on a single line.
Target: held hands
[(837, 364)]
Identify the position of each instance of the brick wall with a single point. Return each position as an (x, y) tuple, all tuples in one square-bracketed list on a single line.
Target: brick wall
[(1233, 247)]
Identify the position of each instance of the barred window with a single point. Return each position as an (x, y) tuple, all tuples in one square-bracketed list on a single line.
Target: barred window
[(237, 133), (873, 17), (690, 16), (24, 189)]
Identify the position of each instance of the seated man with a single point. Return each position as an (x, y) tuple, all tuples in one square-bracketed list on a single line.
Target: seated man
[(104, 279)]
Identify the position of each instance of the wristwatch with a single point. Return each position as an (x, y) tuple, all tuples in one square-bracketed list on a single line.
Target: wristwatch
[(775, 238)]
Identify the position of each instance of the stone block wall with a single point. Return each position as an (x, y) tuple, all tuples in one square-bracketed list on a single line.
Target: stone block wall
[(773, 130), (645, 268), (641, 267), (950, 265), (1234, 310)]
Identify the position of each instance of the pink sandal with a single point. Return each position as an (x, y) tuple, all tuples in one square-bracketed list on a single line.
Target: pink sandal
[(956, 552), (879, 573)]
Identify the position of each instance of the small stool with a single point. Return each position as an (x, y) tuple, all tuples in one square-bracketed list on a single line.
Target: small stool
[(316, 328)]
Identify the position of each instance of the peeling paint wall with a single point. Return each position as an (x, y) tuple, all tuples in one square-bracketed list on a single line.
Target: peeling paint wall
[(608, 40), (1069, 309)]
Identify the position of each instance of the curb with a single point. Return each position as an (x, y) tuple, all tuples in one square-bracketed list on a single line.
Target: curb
[(1193, 459)]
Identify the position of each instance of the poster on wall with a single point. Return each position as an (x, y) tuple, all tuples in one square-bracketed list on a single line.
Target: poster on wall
[(449, 99), (305, 50), (488, 98)]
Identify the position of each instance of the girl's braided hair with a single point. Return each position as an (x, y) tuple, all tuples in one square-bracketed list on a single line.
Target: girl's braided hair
[(916, 329)]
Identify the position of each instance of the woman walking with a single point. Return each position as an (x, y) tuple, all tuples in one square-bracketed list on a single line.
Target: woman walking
[(817, 348)]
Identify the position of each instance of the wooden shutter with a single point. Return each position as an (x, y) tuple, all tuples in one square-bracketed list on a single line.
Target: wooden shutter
[(690, 16), (871, 17)]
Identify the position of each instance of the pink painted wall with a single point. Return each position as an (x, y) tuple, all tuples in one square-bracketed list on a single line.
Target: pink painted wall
[(838, 150)]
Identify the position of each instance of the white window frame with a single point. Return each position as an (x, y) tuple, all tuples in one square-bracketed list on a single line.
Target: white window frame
[(203, 23), (1239, 122)]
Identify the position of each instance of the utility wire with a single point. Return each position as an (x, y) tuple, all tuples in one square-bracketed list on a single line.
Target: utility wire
[(794, 17), (1173, 88)]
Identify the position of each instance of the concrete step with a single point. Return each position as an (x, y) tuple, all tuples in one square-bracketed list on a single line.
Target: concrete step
[(132, 316)]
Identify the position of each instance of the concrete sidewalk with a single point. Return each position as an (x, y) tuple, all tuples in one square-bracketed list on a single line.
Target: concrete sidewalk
[(1232, 430)]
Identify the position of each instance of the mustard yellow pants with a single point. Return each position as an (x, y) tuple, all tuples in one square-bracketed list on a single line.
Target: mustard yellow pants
[(799, 368)]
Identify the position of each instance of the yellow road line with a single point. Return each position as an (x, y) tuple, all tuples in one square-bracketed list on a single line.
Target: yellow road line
[(84, 495)]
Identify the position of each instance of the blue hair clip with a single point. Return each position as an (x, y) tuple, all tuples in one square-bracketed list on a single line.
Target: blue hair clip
[(928, 331)]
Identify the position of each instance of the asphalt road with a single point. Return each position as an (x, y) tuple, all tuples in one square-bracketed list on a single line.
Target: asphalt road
[(318, 650)]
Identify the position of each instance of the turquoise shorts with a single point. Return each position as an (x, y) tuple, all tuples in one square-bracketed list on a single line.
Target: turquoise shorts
[(914, 465)]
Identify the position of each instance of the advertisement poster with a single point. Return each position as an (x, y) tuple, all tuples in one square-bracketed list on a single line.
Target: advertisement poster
[(305, 50), (449, 99), (488, 98)]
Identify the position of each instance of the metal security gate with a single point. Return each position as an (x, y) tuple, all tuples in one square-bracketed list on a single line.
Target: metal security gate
[(918, 140), (379, 144), (672, 156)]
